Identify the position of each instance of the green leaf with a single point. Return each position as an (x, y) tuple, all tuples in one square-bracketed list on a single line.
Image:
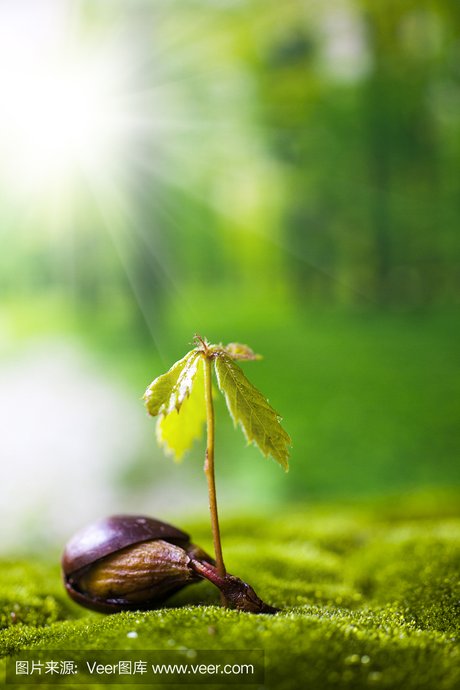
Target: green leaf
[(167, 391), (177, 429), (248, 407), (240, 351)]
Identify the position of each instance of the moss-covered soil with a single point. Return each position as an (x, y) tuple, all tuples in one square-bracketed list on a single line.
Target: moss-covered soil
[(370, 598)]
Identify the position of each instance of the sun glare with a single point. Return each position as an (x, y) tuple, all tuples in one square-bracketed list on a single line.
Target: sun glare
[(56, 123), (58, 115)]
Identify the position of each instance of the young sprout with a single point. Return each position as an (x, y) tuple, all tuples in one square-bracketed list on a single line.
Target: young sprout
[(182, 400)]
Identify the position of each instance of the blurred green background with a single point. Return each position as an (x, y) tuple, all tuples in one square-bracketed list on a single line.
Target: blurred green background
[(281, 174)]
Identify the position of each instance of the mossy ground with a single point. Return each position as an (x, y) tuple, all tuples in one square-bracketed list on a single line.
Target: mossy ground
[(370, 598)]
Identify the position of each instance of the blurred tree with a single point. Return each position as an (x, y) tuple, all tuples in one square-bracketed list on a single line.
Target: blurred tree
[(310, 146), (362, 151)]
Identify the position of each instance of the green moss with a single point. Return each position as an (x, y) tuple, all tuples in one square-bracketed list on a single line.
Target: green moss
[(368, 600)]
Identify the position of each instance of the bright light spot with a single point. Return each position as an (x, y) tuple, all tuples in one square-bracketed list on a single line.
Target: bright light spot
[(345, 54), (58, 115), (54, 123)]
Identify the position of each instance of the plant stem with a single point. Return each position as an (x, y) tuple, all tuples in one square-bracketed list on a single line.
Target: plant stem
[(209, 468)]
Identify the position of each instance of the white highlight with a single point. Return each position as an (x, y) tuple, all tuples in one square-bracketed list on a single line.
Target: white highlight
[(58, 113), (66, 431)]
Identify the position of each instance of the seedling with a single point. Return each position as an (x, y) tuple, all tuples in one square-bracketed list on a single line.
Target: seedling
[(182, 398)]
